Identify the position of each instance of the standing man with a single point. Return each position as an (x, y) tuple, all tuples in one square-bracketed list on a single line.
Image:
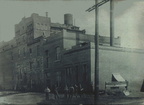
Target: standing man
[(56, 94), (71, 92), (47, 91), (66, 91)]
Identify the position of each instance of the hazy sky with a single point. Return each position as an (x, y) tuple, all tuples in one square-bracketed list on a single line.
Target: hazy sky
[(129, 17)]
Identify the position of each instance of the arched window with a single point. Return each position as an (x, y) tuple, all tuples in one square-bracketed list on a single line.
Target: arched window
[(57, 53)]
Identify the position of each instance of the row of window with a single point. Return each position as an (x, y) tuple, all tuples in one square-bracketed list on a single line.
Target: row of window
[(29, 27), (38, 53), (24, 52), (57, 56), (71, 75), (41, 24)]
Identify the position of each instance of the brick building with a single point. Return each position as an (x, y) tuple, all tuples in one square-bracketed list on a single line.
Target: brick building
[(45, 53)]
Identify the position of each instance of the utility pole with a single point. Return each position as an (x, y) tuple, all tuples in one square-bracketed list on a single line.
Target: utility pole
[(96, 77), (111, 23), (96, 95), (97, 4)]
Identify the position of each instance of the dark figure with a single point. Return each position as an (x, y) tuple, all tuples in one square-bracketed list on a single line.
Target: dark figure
[(90, 90), (71, 92), (66, 91), (56, 94), (76, 90), (80, 90), (47, 91)]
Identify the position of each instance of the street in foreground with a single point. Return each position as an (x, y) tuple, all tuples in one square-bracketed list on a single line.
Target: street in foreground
[(32, 98)]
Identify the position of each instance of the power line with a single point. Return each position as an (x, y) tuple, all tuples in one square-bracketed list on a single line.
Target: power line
[(97, 5)]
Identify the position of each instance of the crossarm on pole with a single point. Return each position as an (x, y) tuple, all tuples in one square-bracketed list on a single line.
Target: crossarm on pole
[(97, 5)]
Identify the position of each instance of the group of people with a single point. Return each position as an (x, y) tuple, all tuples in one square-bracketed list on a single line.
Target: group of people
[(55, 91), (69, 92), (73, 90)]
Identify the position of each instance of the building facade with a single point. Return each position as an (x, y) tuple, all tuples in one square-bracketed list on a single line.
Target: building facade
[(43, 54)]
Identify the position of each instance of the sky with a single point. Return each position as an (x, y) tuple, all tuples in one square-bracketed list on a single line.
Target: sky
[(128, 17)]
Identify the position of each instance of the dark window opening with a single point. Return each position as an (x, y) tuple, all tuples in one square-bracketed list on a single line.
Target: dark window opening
[(24, 51), (31, 64), (68, 75), (38, 64), (30, 50), (38, 50), (57, 53), (77, 75), (46, 53), (18, 53), (20, 74), (11, 55), (47, 62), (85, 72)]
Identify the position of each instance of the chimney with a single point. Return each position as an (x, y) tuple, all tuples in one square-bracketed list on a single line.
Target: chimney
[(46, 14), (111, 23)]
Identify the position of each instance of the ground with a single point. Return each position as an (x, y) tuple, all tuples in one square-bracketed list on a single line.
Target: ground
[(32, 98)]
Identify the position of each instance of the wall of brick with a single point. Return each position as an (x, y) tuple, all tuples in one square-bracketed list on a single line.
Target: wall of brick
[(75, 59)]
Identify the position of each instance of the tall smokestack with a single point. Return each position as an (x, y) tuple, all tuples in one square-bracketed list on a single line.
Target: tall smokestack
[(111, 23)]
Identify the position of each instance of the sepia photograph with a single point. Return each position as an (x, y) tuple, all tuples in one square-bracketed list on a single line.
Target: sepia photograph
[(71, 52)]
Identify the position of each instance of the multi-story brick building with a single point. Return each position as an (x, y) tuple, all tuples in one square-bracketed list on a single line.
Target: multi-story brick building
[(45, 53)]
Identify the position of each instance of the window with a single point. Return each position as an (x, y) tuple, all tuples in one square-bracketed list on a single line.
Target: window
[(18, 52), (68, 74), (24, 51), (30, 50), (38, 50), (20, 74), (11, 55), (30, 27), (31, 64), (48, 79), (77, 74), (38, 64), (23, 38), (43, 33), (18, 32), (85, 72), (47, 62), (47, 53), (57, 53), (58, 78)]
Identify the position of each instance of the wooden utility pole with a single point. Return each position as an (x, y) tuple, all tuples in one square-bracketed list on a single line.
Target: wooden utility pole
[(96, 96), (98, 4), (111, 23)]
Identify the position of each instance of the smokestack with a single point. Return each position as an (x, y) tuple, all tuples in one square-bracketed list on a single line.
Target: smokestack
[(111, 23), (46, 14)]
